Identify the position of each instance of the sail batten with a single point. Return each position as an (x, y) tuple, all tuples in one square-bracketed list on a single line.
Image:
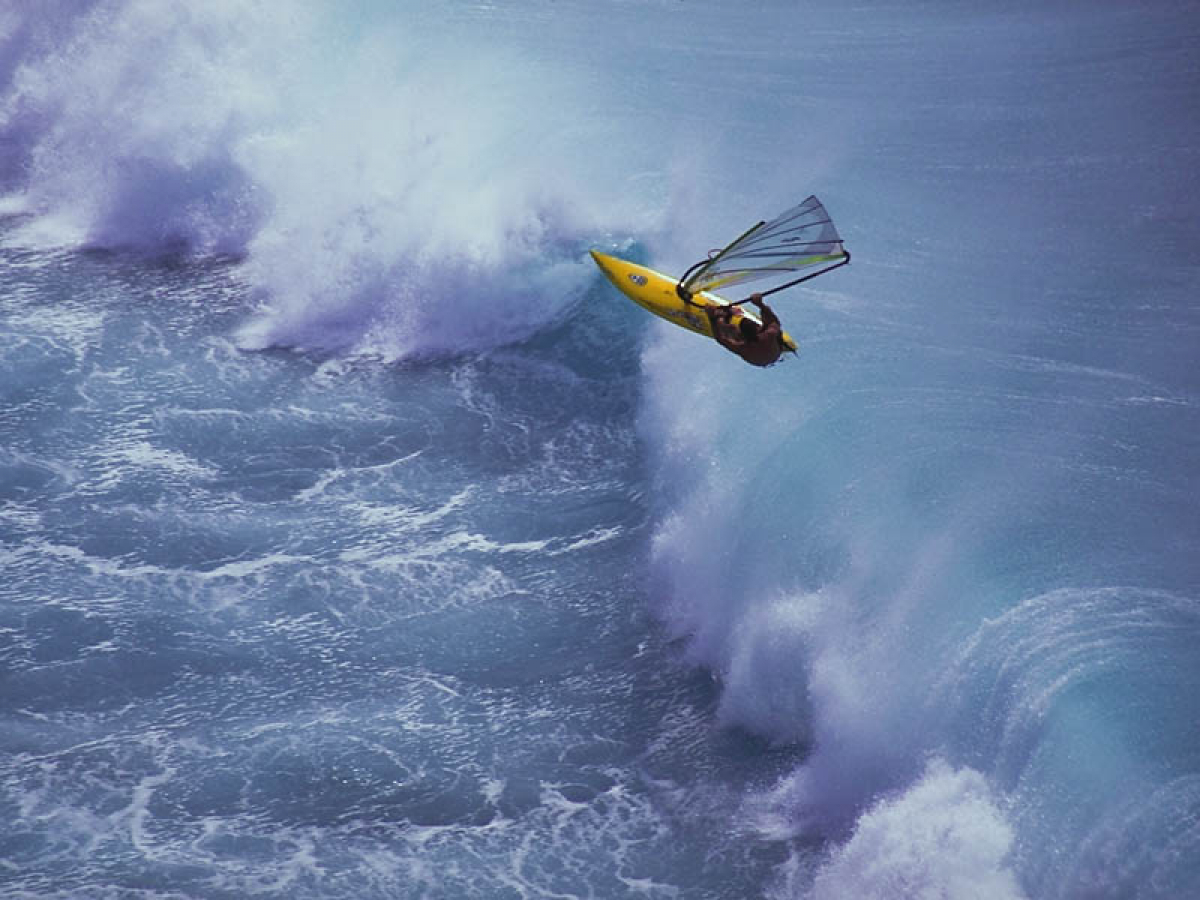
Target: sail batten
[(795, 240)]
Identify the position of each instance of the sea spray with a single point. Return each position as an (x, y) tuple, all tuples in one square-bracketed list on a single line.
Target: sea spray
[(128, 128), (383, 183), (944, 837), (427, 219)]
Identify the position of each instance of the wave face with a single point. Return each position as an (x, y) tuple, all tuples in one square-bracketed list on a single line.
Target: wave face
[(947, 550), (308, 624)]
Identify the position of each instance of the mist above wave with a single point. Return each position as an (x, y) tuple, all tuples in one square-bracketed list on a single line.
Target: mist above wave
[(372, 172)]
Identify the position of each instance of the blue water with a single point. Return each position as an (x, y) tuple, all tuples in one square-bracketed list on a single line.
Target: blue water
[(358, 540)]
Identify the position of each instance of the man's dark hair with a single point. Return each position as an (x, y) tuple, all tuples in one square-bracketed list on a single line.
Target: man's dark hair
[(748, 329)]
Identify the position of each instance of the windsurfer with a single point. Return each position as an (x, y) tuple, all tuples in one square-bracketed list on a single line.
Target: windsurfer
[(759, 345)]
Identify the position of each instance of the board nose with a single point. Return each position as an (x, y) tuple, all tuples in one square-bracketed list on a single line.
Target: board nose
[(604, 261)]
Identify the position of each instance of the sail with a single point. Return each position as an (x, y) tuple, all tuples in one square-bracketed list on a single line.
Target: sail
[(801, 238)]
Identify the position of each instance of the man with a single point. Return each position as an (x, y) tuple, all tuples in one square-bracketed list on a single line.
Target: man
[(757, 345)]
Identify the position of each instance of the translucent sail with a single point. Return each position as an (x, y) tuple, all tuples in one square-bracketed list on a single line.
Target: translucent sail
[(800, 238)]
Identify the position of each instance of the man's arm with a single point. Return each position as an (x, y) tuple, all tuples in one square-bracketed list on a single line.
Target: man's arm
[(727, 335), (767, 314), (723, 331)]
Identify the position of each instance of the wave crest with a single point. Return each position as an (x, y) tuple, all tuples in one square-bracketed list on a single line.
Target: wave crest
[(384, 185)]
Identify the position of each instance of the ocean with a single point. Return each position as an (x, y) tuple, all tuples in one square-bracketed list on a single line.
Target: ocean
[(358, 539)]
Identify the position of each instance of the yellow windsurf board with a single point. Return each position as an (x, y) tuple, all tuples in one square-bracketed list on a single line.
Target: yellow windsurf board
[(655, 292)]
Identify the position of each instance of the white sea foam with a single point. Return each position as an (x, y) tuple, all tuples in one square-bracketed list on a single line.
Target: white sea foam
[(945, 838)]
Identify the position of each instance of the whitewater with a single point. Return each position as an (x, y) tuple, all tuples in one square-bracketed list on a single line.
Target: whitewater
[(358, 539)]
